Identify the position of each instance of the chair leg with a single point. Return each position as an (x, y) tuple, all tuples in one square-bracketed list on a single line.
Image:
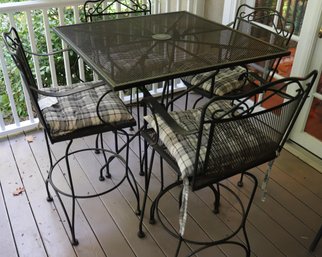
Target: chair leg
[(316, 240), (266, 179), (141, 234), (240, 182), (161, 173), (49, 196), (139, 130), (217, 198), (107, 162), (96, 143), (228, 239), (197, 101), (133, 186), (186, 102), (72, 222), (152, 209), (178, 246), (247, 211)]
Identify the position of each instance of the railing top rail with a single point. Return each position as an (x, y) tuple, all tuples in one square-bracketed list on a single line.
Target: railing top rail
[(37, 4)]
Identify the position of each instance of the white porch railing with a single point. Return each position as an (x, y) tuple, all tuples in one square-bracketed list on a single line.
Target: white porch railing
[(28, 10)]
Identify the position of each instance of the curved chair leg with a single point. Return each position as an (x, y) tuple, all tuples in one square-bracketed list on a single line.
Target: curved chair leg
[(251, 198), (152, 209), (316, 240), (139, 130), (178, 246), (107, 161), (71, 221), (49, 196), (96, 143), (197, 101), (133, 186), (266, 179), (141, 234), (186, 102), (217, 198), (240, 182), (228, 239)]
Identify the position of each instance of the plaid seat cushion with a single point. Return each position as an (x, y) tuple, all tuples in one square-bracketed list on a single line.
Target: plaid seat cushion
[(226, 81), (78, 110), (231, 141), (130, 61), (236, 145)]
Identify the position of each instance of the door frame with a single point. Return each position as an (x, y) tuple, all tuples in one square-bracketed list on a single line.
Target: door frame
[(305, 60)]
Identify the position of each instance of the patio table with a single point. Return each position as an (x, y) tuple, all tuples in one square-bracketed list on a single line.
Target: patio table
[(135, 51)]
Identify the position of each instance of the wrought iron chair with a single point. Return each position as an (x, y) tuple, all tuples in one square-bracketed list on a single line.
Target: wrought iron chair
[(316, 239), (232, 80), (98, 10), (70, 112), (227, 136)]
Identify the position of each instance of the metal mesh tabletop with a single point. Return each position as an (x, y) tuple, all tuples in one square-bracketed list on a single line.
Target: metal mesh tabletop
[(140, 50)]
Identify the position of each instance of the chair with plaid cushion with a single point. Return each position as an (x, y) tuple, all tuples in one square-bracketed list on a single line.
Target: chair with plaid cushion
[(229, 135), (248, 20), (97, 10), (70, 112)]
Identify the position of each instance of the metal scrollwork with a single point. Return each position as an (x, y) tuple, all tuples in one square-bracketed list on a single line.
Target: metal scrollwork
[(280, 25), (125, 7)]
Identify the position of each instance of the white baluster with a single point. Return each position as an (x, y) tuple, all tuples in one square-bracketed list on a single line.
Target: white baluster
[(49, 48)]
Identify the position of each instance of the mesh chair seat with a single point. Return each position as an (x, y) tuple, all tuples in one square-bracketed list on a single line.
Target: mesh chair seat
[(78, 110), (241, 147), (226, 80)]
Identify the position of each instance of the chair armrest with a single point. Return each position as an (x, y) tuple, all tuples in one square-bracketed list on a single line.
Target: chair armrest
[(70, 92), (50, 53), (256, 77), (159, 109), (56, 52), (230, 24)]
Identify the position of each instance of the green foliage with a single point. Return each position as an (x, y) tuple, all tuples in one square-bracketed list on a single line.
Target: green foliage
[(39, 31)]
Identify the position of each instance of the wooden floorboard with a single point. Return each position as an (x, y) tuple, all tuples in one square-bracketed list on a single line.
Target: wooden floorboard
[(7, 243), (284, 225)]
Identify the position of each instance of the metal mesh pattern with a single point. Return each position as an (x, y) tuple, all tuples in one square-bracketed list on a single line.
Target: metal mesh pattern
[(130, 51), (243, 143)]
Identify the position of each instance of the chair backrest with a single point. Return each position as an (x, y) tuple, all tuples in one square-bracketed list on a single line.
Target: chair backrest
[(13, 44), (96, 10), (237, 137), (278, 31)]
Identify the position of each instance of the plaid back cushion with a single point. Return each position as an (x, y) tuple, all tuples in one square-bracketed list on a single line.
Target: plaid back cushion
[(226, 81), (228, 149), (127, 61), (78, 110)]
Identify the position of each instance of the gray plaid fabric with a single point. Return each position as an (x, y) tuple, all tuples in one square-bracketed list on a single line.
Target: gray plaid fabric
[(78, 110), (226, 80), (130, 61), (183, 148)]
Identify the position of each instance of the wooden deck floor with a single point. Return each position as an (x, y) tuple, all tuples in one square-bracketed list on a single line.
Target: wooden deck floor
[(284, 225)]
